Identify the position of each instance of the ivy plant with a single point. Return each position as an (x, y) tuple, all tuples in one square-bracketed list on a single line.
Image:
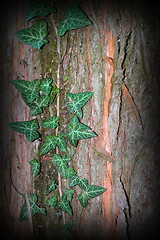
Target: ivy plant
[(74, 18), (29, 128), (77, 101), (33, 206), (50, 187), (77, 131), (40, 94), (37, 8), (35, 167), (35, 35), (28, 89)]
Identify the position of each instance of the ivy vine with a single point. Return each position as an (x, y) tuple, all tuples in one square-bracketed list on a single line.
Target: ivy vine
[(41, 93)]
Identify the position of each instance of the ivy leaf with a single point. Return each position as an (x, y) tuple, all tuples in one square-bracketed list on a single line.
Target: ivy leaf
[(83, 199), (42, 101), (38, 9), (61, 163), (91, 191), (51, 187), (52, 201), (94, 191), (69, 194), (27, 127), (51, 142), (64, 205), (35, 110), (74, 18), (61, 143), (53, 93), (48, 144), (77, 131), (36, 107), (45, 86), (34, 208), (75, 180), (35, 167), (50, 122), (77, 101), (70, 172), (28, 89), (35, 35)]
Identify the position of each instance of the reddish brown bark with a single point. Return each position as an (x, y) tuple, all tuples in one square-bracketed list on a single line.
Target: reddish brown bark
[(118, 59)]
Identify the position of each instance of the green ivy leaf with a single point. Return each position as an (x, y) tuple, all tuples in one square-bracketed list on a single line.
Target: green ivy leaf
[(64, 205), (91, 191), (74, 18), (61, 143), (36, 107), (27, 127), (50, 122), (94, 191), (29, 90), (34, 207), (83, 199), (35, 35), (35, 110), (35, 167), (45, 86), (69, 194), (77, 101), (51, 142), (70, 172), (61, 163), (52, 201), (75, 180), (48, 144), (38, 9), (77, 131), (50, 188)]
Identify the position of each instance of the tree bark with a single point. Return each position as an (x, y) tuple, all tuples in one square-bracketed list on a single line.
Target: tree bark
[(117, 58)]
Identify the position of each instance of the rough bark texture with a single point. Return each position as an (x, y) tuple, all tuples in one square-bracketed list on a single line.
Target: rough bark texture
[(118, 59)]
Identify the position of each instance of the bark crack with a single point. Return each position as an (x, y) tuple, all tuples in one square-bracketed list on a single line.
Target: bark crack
[(125, 55), (119, 44), (119, 114), (126, 196), (127, 223), (123, 75), (127, 209)]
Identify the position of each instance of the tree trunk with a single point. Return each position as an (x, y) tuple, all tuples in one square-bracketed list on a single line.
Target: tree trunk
[(117, 58)]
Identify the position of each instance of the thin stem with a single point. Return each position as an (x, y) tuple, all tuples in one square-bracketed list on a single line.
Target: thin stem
[(58, 106)]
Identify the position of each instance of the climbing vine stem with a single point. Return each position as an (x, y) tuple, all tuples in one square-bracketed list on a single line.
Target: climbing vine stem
[(58, 105)]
